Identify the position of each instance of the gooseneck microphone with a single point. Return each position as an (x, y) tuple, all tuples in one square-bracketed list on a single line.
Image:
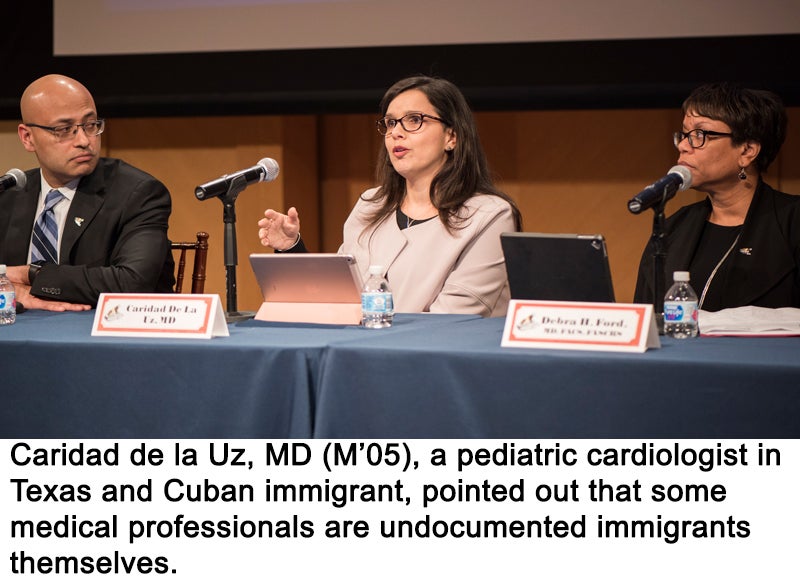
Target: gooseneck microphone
[(12, 178), (265, 171), (677, 179)]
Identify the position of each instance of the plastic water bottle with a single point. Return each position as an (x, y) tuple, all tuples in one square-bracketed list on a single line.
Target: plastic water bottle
[(680, 308), (8, 303), (377, 303)]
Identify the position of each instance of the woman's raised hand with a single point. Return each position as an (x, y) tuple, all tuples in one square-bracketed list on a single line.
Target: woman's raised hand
[(279, 231)]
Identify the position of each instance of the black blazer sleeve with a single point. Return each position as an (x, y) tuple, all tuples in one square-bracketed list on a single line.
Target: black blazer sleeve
[(114, 240)]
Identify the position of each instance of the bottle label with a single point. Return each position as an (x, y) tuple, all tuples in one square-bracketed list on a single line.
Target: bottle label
[(377, 302), (7, 301), (680, 312)]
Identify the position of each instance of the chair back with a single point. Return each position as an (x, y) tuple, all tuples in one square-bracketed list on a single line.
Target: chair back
[(200, 248)]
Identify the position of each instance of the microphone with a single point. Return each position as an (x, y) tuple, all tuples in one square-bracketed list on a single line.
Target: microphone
[(265, 171), (678, 178), (12, 178)]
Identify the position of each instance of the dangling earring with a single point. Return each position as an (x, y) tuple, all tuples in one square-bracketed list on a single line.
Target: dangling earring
[(742, 174)]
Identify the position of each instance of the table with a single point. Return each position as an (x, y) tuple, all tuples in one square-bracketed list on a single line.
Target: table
[(456, 381), (260, 382), (429, 376)]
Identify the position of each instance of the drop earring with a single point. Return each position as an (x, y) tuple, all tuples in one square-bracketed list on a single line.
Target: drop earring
[(742, 174)]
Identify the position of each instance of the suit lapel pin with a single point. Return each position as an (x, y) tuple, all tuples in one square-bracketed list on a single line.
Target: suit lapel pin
[(746, 250), (78, 221)]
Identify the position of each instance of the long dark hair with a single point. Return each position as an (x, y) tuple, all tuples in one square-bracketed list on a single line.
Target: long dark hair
[(465, 171)]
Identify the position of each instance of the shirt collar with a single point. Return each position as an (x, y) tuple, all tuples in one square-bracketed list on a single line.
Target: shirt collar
[(68, 190)]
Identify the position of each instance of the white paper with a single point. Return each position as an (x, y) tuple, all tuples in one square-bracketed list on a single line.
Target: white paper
[(750, 321)]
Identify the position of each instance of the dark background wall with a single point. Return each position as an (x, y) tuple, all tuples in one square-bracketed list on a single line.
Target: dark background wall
[(521, 76)]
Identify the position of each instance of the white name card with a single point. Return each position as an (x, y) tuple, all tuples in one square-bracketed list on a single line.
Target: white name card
[(160, 315), (580, 326)]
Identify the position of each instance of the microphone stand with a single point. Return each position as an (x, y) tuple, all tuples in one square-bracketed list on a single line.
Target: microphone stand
[(237, 185), (659, 261)]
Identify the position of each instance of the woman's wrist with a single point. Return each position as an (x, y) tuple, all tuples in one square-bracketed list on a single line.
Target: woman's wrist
[(290, 247), (293, 245)]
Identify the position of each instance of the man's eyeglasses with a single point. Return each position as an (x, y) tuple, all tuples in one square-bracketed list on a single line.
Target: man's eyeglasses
[(90, 128), (410, 122), (696, 138)]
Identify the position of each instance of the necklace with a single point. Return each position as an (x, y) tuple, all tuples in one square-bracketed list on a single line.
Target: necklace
[(404, 219), (716, 268)]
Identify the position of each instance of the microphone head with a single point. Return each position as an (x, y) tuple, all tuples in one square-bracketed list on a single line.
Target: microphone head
[(684, 173), (19, 176), (271, 169)]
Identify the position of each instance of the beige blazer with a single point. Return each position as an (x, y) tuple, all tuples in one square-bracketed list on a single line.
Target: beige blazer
[(432, 270)]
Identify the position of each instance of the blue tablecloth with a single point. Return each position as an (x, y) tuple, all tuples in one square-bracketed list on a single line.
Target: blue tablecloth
[(428, 376), (457, 382), (260, 382)]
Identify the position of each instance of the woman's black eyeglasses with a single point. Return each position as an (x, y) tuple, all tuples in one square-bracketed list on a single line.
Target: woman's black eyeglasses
[(697, 138), (410, 122)]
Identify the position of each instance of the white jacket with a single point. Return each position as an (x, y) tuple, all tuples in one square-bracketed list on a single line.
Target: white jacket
[(431, 270)]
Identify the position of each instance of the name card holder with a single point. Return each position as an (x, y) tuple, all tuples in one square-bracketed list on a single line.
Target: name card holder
[(159, 316), (580, 326)]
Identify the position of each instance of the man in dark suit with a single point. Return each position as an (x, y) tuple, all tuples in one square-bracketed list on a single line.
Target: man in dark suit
[(108, 221)]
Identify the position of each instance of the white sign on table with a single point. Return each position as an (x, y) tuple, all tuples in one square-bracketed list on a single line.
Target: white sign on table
[(580, 326), (160, 315)]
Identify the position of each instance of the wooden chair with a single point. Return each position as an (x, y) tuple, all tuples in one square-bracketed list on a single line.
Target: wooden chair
[(200, 248)]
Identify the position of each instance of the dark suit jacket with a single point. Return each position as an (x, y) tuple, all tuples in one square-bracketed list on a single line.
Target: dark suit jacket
[(765, 265), (114, 239)]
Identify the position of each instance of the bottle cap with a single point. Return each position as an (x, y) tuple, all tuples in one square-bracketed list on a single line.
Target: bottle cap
[(681, 276), (376, 269), (2, 269)]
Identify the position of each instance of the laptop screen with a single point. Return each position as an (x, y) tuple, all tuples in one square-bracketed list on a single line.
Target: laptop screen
[(561, 267)]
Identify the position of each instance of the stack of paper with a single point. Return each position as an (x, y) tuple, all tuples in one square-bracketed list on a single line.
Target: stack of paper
[(750, 321)]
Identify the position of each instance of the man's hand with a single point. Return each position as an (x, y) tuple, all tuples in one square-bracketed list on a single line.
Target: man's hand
[(23, 295), (18, 274)]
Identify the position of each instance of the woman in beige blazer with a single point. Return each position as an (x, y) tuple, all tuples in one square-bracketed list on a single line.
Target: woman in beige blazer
[(435, 221)]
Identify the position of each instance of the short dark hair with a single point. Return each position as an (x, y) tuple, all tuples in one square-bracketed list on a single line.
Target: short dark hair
[(752, 114)]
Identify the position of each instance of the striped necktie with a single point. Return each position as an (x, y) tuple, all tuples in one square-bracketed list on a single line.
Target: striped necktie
[(45, 231)]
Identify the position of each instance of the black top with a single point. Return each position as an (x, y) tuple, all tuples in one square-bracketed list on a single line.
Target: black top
[(763, 269), (714, 244), (404, 221)]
